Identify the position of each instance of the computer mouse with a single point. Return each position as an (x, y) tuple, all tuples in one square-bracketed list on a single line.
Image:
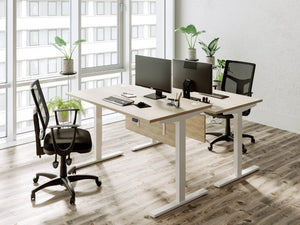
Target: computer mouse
[(141, 104)]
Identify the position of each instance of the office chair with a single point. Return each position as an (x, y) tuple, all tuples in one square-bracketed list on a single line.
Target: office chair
[(62, 140), (237, 78)]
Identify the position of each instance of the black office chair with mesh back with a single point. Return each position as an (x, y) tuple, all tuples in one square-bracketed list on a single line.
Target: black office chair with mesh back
[(62, 140), (237, 78)]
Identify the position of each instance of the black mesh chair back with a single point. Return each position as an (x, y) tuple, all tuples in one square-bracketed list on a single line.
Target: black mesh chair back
[(41, 106), (238, 77)]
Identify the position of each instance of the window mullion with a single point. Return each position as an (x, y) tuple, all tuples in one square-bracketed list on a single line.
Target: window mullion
[(75, 25), (126, 9), (11, 70)]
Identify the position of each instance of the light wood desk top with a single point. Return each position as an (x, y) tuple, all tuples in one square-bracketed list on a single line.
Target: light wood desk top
[(233, 102), (158, 111)]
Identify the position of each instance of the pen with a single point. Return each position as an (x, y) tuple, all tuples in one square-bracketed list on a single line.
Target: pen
[(179, 96)]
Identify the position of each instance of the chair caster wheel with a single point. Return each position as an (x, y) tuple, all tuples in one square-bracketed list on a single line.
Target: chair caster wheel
[(72, 201), (253, 141), (35, 180), (210, 148), (244, 149), (98, 182), (32, 197)]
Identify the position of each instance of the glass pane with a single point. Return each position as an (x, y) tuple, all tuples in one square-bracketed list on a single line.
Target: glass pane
[(94, 82), (38, 22), (2, 42), (25, 103), (143, 33), (101, 29), (2, 113)]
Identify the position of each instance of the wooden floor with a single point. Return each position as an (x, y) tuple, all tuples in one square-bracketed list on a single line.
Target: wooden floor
[(138, 182)]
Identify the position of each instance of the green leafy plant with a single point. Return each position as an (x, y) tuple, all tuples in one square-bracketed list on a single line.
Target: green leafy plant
[(220, 67), (190, 32), (211, 48), (60, 44), (59, 103)]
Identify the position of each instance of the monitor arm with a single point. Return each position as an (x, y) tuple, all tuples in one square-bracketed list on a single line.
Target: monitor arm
[(187, 88)]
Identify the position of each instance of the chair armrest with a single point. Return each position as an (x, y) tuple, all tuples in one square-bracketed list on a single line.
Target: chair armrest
[(65, 110), (61, 110), (57, 149)]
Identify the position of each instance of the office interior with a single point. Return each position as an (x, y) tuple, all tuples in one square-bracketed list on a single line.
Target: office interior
[(262, 32)]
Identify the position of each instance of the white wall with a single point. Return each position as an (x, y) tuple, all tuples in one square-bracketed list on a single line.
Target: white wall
[(263, 32)]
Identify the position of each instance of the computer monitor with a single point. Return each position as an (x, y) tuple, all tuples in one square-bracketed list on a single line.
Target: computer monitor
[(192, 76), (154, 73)]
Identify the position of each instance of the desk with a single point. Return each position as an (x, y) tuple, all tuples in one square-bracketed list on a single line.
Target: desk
[(159, 111), (235, 105)]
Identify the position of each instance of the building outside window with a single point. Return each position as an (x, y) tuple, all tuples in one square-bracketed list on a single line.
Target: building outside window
[(36, 58)]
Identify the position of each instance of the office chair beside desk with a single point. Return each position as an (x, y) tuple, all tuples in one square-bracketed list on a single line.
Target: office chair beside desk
[(238, 78), (62, 140)]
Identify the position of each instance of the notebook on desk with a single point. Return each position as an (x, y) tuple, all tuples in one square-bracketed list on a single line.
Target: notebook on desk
[(119, 100)]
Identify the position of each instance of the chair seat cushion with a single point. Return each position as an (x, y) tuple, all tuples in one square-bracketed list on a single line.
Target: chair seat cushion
[(63, 138)]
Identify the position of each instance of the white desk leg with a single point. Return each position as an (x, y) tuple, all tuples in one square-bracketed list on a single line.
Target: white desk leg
[(145, 145), (181, 199), (98, 143), (237, 147)]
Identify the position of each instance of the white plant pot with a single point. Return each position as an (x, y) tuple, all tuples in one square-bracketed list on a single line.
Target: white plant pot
[(210, 60), (68, 66), (63, 117), (192, 54)]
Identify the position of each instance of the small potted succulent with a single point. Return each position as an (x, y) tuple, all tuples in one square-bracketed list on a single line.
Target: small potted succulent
[(59, 103), (219, 76), (60, 44), (191, 34), (210, 50)]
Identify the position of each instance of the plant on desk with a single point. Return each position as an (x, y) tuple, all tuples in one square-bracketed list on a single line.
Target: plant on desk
[(191, 34), (60, 44), (220, 70), (59, 103), (210, 50)]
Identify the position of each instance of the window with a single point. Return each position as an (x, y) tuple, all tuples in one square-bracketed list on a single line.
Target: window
[(33, 67), (52, 66), (33, 8), (51, 36), (52, 9), (65, 8), (33, 38), (84, 10), (152, 31), (99, 8), (152, 8), (103, 40), (100, 34)]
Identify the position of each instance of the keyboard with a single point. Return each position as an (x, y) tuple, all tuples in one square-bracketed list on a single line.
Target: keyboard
[(119, 100)]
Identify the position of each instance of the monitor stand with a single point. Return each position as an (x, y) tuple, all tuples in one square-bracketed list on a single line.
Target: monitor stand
[(156, 95), (187, 88)]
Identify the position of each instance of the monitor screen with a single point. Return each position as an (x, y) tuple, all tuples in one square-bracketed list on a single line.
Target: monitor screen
[(153, 73), (196, 75)]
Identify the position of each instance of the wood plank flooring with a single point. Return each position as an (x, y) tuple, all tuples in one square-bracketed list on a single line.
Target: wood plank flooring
[(138, 182)]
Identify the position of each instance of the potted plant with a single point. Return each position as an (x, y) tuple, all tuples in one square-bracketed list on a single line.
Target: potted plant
[(59, 103), (190, 32), (219, 76), (210, 50), (60, 44)]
